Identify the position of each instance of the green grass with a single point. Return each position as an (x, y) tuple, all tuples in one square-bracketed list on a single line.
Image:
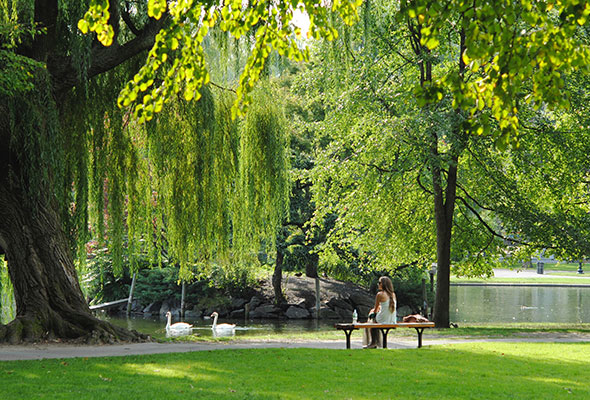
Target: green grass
[(573, 267), (461, 371), (558, 280), (465, 330), (516, 330)]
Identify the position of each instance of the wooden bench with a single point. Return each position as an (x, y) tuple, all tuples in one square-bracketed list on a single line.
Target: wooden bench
[(384, 328)]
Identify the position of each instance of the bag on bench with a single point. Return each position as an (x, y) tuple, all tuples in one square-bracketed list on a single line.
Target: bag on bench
[(415, 318)]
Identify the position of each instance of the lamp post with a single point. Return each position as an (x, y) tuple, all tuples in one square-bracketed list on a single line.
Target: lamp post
[(432, 272), (580, 270)]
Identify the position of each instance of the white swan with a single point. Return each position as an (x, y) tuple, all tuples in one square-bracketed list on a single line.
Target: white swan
[(177, 329), (221, 328)]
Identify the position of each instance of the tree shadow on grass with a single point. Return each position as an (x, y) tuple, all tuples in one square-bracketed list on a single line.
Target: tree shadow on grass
[(469, 371)]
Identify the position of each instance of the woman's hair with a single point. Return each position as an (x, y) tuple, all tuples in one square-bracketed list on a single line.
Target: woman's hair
[(387, 287)]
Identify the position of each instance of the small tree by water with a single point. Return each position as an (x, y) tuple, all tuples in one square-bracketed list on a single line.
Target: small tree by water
[(7, 306)]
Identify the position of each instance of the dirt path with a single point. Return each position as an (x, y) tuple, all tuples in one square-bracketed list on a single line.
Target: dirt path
[(44, 351)]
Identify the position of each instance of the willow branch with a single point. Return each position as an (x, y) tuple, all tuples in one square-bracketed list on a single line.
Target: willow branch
[(221, 87)]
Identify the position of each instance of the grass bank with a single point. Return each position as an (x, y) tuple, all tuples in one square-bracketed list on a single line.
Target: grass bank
[(461, 371), (554, 279)]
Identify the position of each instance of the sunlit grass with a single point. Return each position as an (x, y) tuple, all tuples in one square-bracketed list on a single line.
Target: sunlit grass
[(461, 371), (563, 266), (554, 279)]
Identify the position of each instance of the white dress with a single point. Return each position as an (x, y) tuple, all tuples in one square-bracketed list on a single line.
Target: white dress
[(385, 316)]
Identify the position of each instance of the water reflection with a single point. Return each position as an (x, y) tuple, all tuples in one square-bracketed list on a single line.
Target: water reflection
[(468, 304), (519, 304), (156, 326)]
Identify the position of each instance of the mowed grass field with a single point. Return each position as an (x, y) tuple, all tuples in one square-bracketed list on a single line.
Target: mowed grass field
[(458, 371)]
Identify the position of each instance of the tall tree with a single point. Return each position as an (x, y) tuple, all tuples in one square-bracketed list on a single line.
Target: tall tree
[(427, 87), (65, 144)]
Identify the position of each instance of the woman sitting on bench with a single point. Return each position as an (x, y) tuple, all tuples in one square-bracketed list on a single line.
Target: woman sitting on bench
[(384, 312)]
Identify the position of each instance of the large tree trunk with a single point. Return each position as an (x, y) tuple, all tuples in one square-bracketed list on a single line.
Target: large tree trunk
[(444, 208), (49, 302)]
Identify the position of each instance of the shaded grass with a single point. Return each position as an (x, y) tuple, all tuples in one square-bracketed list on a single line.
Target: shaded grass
[(464, 371)]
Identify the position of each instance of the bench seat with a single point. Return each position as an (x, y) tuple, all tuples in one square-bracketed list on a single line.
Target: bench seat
[(384, 328)]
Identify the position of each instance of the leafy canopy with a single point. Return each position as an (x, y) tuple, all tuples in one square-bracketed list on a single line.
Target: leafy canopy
[(178, 51), (519, 51)]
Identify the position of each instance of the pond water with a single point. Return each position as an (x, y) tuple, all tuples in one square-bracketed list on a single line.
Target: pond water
[(155, 326), (519, 304), (468, 304)]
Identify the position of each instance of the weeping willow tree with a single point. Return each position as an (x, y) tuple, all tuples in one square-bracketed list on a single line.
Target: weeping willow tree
[(154, 169)]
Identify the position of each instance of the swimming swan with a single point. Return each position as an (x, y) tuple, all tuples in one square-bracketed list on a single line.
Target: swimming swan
[(221, 327), (177, 329)]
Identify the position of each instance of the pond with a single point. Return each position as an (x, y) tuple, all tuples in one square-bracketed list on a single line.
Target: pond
[(155, 326), (520, 304), (472, 304)]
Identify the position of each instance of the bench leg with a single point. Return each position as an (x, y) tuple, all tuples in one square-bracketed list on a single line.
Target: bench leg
[(419, 330), (348, 332), (384, 333)]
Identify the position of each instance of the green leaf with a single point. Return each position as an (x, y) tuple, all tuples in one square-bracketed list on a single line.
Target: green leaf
[(432, 43), (83, 26)]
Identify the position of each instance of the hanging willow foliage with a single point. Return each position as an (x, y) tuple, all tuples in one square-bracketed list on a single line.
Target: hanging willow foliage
[(193, 185)]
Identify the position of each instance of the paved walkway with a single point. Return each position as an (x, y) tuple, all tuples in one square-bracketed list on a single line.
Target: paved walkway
[(47, 351)]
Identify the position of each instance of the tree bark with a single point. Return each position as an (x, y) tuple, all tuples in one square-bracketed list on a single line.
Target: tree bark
[(444, 208), (277, 277), (49, 302)]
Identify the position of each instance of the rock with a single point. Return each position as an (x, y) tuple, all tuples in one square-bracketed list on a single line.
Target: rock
[(326, 313), (344, 314), (192, 314), (241, 313), (268, 308), (220, 308), (363, 312), (362, 299), (135, 307), (265, 311), (303, 303), (255, 302), (164, 308), (294, 312), (335, 303), (152, 307), (302, 298), (238, 303)]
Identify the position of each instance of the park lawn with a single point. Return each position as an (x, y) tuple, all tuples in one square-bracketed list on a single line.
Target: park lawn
[(577, 280), (459, 371), (465, 330), (562, 266)]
